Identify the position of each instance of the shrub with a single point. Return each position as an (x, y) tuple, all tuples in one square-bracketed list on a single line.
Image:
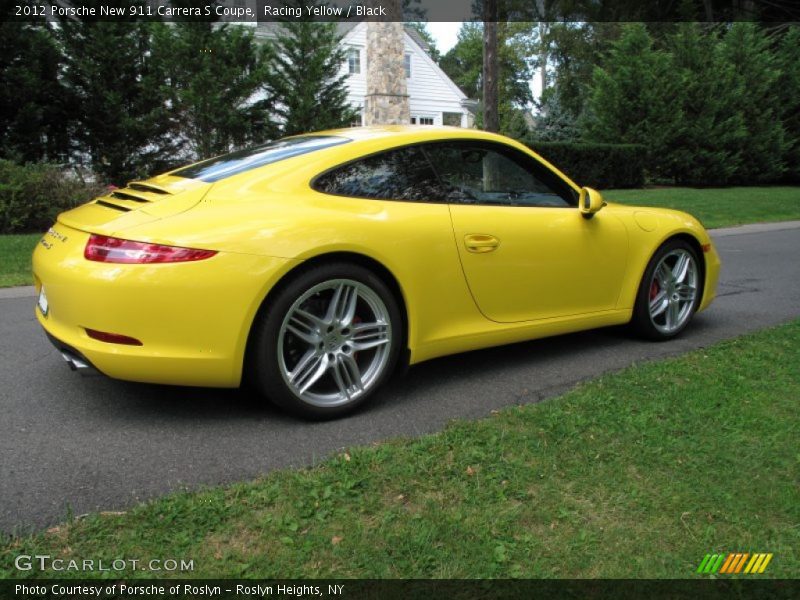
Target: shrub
[(32, 195), (596, 165)]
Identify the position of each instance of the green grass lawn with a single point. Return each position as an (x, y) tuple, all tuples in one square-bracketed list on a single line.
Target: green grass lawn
[(15, 258), (637, 474), (719, 207)]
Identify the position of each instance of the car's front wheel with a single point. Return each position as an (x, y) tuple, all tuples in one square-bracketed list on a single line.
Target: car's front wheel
[(669, 292), (327, 342)]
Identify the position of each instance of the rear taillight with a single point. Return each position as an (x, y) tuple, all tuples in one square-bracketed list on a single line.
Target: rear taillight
[(101, 248)]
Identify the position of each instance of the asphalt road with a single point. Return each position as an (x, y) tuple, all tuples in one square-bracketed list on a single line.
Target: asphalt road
[(79, 444)]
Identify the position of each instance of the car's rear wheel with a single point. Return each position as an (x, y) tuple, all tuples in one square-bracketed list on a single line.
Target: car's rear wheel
[(670, 291), (327, 342)]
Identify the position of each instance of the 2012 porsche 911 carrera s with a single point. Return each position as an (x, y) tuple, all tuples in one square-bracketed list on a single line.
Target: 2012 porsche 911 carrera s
[(313, 266)]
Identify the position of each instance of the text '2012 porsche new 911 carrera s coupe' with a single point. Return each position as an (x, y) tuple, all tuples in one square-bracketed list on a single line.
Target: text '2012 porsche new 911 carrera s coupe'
[(312, 266)]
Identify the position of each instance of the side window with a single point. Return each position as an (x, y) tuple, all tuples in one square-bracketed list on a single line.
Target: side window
[(354, 61), (486, 173), (402, 174)]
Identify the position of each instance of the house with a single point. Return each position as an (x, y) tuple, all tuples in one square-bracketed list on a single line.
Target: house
[(433, 97)]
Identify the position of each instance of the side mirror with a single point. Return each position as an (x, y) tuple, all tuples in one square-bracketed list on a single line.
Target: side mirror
[(589, 202)]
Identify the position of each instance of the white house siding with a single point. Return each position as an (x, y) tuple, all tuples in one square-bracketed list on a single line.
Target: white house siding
[(430, 91)]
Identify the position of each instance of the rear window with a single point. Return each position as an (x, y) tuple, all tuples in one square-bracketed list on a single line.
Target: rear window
[(240, 161)]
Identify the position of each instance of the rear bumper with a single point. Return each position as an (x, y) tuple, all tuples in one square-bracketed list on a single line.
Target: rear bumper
[(192, 318)]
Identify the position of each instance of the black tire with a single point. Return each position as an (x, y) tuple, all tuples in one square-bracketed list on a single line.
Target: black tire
[(649, 327), (268, 364)]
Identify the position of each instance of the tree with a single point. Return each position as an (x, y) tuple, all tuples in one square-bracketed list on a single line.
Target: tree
[(306, 78), (32, 109), (120, 122), (555, 123), (491, 119), (464, 63), (787, 91), (755, 67), (213, 74), (707, 142), (636, 97), (573, 51)]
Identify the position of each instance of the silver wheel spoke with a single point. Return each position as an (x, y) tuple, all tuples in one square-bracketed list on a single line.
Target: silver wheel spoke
[(673, 309), (663, 275), (338, 377), (347, 375), (658, 304), (310, 368), (342, 307), (305, 326), (681, 268), (369, 335)]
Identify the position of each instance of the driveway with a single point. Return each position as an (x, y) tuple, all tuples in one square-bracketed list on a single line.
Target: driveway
[(72, 444)]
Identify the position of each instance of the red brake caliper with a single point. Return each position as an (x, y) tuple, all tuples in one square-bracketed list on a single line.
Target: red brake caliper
[(653, 290)]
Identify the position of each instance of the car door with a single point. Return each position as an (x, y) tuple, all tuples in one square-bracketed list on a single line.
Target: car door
[(526, 251)]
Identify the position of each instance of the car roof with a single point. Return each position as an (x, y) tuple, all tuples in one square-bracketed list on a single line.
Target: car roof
[(416, 132)]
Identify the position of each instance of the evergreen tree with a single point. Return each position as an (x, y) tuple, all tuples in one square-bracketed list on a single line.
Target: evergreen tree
[(32, 111), (213, 76), (121, 121), (762, 151), (636, 97), (707, 146), (306, 78), (787, 91), (555, 123)]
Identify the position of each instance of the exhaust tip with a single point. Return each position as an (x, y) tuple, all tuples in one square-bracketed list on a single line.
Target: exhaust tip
[(76, 364)]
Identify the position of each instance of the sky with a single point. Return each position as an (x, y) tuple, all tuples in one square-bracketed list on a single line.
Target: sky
[(445, 34)]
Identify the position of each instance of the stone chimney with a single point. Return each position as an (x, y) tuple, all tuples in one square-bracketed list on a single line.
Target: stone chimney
[(386, 102)]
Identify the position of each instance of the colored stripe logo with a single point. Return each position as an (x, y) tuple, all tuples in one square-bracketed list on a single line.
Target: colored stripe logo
[(734, 562)]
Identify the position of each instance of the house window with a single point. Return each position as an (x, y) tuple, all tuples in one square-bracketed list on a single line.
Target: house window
[(354, 61), (451, 119), (407, 64), (422, 120)]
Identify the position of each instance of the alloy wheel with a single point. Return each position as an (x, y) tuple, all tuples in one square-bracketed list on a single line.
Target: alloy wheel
[(673, 291), (334, 342)]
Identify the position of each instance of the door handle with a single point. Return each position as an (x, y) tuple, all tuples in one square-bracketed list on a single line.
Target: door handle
[(480, 243)]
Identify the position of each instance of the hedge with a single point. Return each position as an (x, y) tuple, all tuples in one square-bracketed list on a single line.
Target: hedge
[(599, 166), (32, 195)]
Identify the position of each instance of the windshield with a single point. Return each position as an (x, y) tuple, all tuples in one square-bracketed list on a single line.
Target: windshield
[(240, 161)]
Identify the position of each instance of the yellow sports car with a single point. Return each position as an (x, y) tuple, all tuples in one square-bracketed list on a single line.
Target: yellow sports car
[(314, 265)]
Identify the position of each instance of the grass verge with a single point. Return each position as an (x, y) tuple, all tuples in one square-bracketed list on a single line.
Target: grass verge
[(15, 258), (636, 474), (719, 207)]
